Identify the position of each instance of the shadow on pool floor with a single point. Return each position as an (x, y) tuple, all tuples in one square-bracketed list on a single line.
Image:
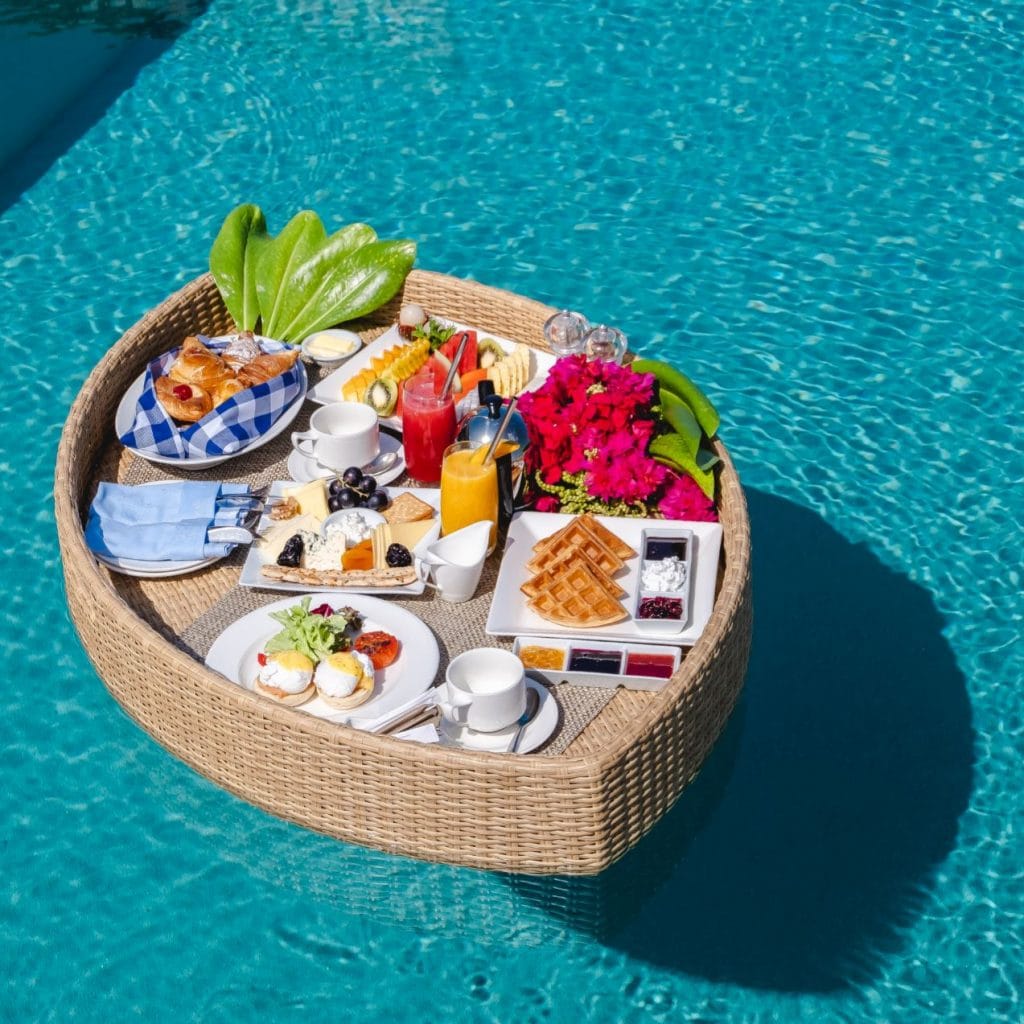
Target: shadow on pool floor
[(809, 841), (794, 862)]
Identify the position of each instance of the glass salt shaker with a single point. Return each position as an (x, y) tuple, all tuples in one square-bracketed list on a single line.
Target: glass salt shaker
[(604, 342), (564, 332)]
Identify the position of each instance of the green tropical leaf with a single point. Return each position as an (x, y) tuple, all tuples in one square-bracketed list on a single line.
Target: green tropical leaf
[(278, 261), (677, 414), (673, 450), (232, 262), (357, 285), (310, 280)]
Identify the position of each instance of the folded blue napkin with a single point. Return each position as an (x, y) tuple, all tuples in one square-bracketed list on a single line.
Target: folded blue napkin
[(161, 522)]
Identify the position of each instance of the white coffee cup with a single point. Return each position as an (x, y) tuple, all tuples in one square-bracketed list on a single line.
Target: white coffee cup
[(484, 689), (455, 562), (341, 435)]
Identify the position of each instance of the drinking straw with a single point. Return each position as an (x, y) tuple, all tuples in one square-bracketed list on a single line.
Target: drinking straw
[(502, 427), (454, 368)]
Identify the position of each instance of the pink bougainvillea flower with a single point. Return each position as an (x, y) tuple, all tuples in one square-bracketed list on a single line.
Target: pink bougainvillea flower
[(590, 424), (683, 499)]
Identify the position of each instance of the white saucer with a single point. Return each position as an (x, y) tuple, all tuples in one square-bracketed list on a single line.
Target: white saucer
[(536, 732), (302, 469)]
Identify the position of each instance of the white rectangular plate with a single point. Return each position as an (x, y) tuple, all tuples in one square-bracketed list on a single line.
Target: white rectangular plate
[(329, 389), (255, 559), (510, 616)]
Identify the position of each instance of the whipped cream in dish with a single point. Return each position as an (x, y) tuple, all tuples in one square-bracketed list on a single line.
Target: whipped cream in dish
[(665, 574), (353, 525)]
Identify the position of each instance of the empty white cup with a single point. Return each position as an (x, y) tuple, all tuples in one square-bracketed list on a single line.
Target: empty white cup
[(484, 690), (340, 435), (454, 563)]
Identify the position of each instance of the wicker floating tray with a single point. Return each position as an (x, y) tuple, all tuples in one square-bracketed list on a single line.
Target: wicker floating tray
[(570, 814)]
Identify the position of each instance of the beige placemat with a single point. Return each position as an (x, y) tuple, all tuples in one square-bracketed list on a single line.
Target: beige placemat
[(456, 627)]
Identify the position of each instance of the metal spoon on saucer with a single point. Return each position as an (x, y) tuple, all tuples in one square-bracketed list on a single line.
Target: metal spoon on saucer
[(532, 703), (383, 462)]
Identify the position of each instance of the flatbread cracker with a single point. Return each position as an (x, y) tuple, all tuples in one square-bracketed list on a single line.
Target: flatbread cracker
[(407, 508)]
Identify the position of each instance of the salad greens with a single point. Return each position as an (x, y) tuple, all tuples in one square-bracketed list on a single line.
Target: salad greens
[(302, 280), (313, 635)]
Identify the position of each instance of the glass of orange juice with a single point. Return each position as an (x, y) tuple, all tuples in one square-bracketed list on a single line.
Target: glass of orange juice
[(469, 488)]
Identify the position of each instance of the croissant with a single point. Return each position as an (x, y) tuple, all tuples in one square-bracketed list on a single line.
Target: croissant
[(225, 389), (196, 364), (189, 408), (264, 367), (243, 349)]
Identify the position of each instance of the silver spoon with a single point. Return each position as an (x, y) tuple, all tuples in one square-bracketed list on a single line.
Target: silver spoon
[(532, 703), (382, 462)]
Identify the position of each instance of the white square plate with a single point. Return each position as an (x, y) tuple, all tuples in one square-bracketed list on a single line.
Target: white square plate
[(329, 389), (510, 615), (255, 559)]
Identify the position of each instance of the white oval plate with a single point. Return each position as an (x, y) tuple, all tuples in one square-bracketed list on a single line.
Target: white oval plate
[(154, 570), (125, 417), (234, 652)]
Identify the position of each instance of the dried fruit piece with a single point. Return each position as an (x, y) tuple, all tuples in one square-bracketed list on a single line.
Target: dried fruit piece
[(398, 556), (358, 557), (291, 553)]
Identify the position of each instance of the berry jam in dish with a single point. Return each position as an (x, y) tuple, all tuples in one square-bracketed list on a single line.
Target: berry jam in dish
[(660, 608), (656, 549), (595, 661), (655, 666)]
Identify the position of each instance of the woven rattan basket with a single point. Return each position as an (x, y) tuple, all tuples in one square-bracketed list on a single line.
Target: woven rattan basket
[(572, 814)]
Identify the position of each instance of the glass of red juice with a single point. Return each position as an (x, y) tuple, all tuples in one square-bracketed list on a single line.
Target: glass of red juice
[(428, 426)]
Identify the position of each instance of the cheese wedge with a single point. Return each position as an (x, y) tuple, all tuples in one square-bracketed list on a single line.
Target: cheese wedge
[(410, 534), (312, 499)]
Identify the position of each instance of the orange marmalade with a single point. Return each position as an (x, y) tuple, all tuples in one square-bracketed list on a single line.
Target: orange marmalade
[(542, 657)]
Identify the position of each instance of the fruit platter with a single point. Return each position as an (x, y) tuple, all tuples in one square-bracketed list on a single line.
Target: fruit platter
[(327, 619)]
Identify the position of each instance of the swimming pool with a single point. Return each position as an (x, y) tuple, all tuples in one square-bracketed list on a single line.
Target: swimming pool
[(817, 211)]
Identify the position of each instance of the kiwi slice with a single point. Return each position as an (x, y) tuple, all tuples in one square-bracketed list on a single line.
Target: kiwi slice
[(382, 396), (488, 352)]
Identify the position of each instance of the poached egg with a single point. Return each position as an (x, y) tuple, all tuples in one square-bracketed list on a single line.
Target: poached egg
[(288, 672), (338, 675)]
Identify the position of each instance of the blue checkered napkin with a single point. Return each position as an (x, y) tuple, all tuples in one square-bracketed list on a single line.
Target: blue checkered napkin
[(232, 426)]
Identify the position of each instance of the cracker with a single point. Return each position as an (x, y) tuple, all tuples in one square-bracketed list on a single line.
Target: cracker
[(407, 508)]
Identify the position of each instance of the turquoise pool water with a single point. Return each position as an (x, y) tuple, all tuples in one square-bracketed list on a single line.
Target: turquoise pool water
[(817, 211)]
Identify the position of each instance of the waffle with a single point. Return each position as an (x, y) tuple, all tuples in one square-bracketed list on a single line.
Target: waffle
[(610, 540), (576, 598), (342, 577), (536, 584), (575, 537)]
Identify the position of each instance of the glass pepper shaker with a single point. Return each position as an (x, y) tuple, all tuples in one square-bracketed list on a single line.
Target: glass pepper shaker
[(564, 332), (604, 342)]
